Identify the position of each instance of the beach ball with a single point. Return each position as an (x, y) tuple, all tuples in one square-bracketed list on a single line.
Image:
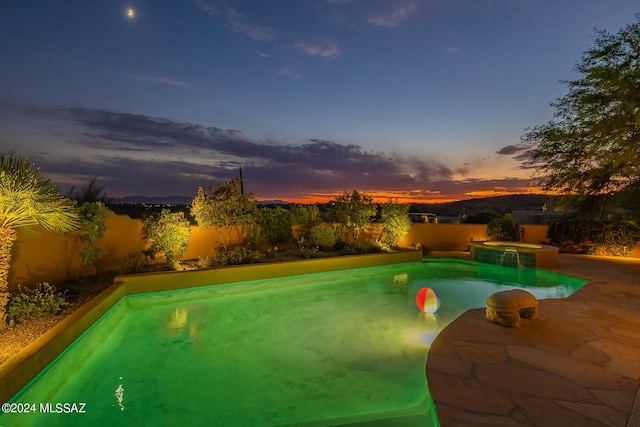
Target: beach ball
[(427, 300)]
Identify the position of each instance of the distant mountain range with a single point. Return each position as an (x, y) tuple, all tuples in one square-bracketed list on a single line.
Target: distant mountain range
[(498, 204), (175, 200), (154, 200)]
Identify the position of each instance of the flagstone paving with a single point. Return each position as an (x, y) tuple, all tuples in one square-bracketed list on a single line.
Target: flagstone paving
[(577, 365)]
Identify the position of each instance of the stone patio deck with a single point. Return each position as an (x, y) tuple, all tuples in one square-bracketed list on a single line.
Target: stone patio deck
[(578, 365)]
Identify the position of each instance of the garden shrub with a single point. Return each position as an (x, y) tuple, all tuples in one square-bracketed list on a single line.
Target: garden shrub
[(256, 238), (93, 226), (306, 252), (131, 263), (233, 257), (353, 212), (594, 237), (396, 222), (305, 217), (225, 208), (206, 262), (42, 301), (366, 247), (169, 233), (276, 224), (503, 229), (271, 252), (322, 237), (174, 265)]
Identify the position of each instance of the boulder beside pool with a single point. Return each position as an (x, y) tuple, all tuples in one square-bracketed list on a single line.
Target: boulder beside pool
[(507, 307)]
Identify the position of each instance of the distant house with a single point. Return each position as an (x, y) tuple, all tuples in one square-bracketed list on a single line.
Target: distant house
[(423, 217), (536, 216)]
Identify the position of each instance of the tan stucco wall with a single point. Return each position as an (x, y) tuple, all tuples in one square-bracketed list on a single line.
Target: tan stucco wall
[(444, 237), (205, 242), (55, 257)]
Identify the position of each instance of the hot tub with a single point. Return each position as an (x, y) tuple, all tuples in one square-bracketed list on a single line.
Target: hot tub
[(515, 254)]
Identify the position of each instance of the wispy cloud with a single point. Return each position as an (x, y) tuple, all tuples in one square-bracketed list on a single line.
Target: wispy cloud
[(158, 79), (452, 50), (261, 54), (395, 17), (336, 11), (141, 154), (511, 149), (178, 150), (326, 48), (208, 7), (237, 21), (286, 71)]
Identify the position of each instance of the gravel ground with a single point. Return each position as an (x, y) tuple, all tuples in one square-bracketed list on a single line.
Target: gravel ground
[(14, 339)]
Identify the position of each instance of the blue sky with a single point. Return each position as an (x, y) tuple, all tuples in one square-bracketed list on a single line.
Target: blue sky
[(422, 100)]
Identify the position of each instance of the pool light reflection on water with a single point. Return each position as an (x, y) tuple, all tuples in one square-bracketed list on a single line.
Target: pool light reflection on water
[(340, 347)]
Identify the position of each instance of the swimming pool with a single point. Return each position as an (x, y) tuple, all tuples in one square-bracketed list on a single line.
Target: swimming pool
[(341, 347)]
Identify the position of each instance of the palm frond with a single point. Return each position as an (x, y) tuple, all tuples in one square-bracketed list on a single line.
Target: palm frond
[(28, 199)]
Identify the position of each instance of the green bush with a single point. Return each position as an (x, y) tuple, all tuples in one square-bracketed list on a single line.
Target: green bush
[(93, 226), (225, 208), (396, 222), (257, 237), (594, 237), (206, 262), (42, 301), (322, 237), (353, 212), (169, 233), (271, 252), (366, 247), (234, 257), (306, 252), (503, 229), (276, 224), (131, 263), (305, 217)]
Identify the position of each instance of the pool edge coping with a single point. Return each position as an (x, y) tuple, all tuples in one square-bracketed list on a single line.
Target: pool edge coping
[(20, 369)]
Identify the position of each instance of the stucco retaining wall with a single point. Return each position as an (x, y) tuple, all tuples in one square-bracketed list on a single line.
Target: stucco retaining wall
[(55, 258)]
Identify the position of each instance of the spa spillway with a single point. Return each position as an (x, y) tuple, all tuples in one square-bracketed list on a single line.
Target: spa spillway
[(515, 254)]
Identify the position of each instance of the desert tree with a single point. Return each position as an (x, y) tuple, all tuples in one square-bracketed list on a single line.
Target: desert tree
[(396, 222), (591, 148), (92, 192), (224, 207), (93, 213), (92, 229), (28, 202), (353, 212)]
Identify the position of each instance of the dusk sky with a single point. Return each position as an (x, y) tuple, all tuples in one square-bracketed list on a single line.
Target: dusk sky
[(420, 100)]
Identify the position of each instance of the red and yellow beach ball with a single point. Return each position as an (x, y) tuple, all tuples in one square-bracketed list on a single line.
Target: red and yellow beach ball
[(427, 300)]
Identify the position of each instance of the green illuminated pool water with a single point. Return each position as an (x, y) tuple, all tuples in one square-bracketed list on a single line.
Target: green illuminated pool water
[(323, 349)]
